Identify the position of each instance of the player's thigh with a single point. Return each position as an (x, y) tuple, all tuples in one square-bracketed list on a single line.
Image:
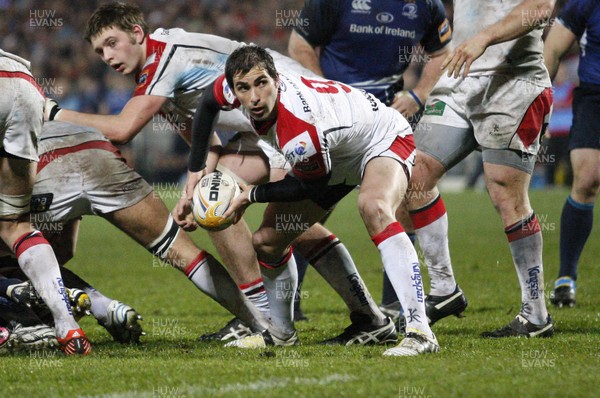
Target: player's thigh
[(586, 174), (16, 175), (250, 160), (283, 222), (382, 189), (443, 143), (143, 221)]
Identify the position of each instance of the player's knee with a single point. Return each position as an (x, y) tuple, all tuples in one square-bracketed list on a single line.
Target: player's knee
[(586, 189), (373, 208), (264, 246)]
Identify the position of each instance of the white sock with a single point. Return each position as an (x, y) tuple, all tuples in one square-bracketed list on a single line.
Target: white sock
[(331, 259), (431, 228), (525, 241), (38, 262), (99, 304), (256, 293), (281, 281), (208, 275), (402, 266)]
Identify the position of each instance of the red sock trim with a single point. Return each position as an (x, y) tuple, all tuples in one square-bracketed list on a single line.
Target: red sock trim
[(522, 229), (286, 257), (245, 286), (27, 241), (393, 229), (189, 270), (428, 214)]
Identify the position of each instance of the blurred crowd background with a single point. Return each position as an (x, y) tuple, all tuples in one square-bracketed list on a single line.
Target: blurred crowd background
[(49, 33)]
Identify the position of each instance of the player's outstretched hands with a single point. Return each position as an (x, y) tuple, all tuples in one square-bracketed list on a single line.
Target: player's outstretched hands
[(464, 55), (240, 203), (51, 109)]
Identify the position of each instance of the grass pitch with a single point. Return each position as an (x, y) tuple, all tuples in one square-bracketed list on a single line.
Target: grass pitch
[(172, 363)]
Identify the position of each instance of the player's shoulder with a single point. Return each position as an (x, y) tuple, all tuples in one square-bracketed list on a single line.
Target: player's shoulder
[(179, 36)]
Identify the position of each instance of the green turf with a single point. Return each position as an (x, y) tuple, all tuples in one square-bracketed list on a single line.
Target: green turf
[(172, 363)]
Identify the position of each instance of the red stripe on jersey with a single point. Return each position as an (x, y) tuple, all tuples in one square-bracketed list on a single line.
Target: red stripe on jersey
[(290, 127), (218, 91), (393, 229), (27, 241), (428, 214), (224, 94), (24, 76), (523, 229), (533, 122), (279, 263), (197, 262), (403, 146), (145, 77), (50, 156)]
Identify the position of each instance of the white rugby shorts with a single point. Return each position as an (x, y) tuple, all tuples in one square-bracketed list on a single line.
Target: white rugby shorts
[(87, 179), (501, 113)]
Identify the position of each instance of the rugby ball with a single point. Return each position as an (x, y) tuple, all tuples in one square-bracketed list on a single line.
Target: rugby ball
[(211, 198)]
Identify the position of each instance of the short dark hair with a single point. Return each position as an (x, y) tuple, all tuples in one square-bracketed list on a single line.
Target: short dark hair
[(243, 59), (120, 15)]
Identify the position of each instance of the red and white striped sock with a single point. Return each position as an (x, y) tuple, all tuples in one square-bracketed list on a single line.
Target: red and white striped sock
[(256, 293), (525, 241), (431, 228), (402, 267), (281, 280), (208, 275), (38, 262)]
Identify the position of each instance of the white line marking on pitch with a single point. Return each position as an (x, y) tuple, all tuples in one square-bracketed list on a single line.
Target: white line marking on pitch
[(258, 385)]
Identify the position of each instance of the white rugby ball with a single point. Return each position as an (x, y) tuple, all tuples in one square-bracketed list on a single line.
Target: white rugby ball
[(212, 196)]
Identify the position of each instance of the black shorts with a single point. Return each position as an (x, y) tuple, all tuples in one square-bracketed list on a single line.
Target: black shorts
[(328, 197), (585, 132)]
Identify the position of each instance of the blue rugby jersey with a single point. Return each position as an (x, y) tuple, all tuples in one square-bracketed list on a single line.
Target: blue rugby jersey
[(582, 17), (369, 44)]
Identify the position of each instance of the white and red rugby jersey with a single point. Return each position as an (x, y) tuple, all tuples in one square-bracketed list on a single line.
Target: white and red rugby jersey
[(326, 127)]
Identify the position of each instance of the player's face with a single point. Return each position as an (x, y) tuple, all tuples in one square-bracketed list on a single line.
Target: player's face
[(122, 51), (257, 92)]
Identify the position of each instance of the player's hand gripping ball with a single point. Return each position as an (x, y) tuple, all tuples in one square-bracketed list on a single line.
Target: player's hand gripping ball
[(211, 198)]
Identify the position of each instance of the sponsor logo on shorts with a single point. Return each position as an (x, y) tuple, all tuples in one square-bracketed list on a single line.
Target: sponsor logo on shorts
[(436, 108), (40, 203)]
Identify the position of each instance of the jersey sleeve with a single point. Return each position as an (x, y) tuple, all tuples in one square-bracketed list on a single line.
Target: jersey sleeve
[(321, 21), (439, 32), (574, 16), (224, 95)]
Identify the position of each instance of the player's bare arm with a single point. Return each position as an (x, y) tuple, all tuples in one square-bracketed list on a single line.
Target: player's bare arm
[(120, 128), (558, 42), (508, 28), (303, 52), (404, 102)]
